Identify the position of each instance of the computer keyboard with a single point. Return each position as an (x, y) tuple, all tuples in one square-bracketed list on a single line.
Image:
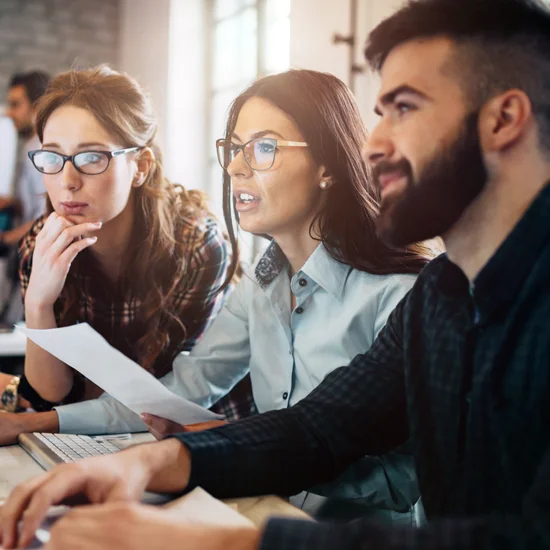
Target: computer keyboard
[(49, 450), (69, 447)]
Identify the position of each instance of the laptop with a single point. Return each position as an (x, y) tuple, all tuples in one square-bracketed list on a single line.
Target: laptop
[(49, 450)]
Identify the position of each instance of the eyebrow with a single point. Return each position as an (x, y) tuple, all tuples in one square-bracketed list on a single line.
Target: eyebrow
[(259, 134), (389, 97), (80, 145)]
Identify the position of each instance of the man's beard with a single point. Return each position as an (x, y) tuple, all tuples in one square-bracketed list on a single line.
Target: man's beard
[(431, 206)]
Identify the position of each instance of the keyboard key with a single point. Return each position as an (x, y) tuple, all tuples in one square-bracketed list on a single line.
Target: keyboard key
[(71, 447)]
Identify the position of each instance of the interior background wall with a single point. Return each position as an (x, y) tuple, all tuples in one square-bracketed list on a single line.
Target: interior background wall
[(55, 35)]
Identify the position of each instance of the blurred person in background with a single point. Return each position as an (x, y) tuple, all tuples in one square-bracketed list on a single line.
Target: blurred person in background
[(27, 202), (8, 152)]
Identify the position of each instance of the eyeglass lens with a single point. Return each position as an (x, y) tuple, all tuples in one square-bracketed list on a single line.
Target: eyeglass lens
[(258, 153), (88, 162)]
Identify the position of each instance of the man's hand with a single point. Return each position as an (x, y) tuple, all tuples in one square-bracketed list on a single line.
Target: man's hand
[(130, 526), (161, 427), (124, 476)]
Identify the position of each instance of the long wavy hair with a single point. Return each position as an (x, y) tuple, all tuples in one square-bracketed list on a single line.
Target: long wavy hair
[(324, 110), (158, 258)]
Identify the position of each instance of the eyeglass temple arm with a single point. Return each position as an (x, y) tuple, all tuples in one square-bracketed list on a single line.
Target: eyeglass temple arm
[(291, 143), (123, 151)]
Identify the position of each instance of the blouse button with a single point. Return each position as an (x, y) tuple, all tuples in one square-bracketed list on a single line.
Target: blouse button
[(285, 395), (302, 282), (299, 310)]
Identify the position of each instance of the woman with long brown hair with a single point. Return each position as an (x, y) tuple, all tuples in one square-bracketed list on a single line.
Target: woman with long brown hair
[(324, 287), (140, 259)]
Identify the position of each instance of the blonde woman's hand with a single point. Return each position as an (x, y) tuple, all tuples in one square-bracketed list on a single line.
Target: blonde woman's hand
[(161, 427), (57, 245)]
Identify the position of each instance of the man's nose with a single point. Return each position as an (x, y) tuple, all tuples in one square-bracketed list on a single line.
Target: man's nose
[(378, 145)]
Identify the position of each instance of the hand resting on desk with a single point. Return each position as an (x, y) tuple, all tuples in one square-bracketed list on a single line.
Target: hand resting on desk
[(13, 424), (113, 484), (161, 427)]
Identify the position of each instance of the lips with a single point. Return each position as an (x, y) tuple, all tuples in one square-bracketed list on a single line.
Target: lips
[(73, 204), (73, 207), (245, 200), (388, 178)]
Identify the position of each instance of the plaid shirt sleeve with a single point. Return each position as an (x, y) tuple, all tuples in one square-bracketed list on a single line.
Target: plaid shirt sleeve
[(197, 299), (25, 251), (198, 302)]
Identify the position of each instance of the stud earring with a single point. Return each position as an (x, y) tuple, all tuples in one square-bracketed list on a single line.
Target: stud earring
[(323, 184)]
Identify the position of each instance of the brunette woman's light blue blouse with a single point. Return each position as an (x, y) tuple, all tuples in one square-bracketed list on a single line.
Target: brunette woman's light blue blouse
[(339, 311)]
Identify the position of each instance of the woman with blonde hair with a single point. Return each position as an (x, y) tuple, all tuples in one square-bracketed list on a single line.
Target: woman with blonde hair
[(121, 248)]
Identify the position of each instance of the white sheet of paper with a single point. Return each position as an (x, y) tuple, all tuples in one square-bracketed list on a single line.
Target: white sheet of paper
[(86, 351), (201, 508)]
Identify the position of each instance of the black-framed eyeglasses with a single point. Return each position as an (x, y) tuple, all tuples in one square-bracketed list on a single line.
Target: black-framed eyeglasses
[(259, 153), (91, 163)]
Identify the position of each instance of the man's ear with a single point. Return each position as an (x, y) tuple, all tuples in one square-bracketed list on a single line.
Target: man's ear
[(144, 162), (504, 120)]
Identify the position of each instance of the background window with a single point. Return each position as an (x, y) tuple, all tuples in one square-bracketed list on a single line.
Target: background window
[(246, 39)]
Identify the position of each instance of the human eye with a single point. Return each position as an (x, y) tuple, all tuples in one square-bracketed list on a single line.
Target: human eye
[(49, 158), (89, 157), (265, 147), (402, 107), (47, 161)]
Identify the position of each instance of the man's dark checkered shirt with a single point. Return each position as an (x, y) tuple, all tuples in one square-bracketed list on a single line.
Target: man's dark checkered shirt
[(464, 371)]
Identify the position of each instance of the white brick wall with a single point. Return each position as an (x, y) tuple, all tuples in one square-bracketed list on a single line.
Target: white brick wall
[(55, 35)]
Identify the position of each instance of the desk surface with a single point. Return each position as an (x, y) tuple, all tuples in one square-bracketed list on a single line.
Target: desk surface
[(17, 466)]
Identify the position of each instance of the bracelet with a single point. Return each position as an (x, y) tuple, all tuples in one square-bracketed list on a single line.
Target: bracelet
[(10, 397), (26, 391)]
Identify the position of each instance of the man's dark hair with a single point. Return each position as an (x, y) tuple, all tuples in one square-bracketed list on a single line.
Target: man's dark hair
[(35, 83), (501, 44)]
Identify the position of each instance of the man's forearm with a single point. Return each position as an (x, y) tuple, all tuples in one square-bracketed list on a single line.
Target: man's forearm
[(168, 463)]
